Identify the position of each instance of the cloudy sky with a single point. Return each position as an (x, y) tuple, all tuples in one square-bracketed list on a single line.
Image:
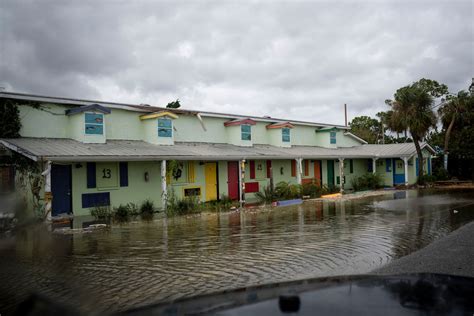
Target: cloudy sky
[(295, 59)]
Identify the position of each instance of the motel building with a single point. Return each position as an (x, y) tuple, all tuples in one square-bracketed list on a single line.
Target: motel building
[(94, 153)]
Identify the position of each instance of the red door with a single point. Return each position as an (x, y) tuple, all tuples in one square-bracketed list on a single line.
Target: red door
[(317, 171), (233, 179)]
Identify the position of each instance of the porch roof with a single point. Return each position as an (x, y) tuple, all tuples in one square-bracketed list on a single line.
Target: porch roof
[(63, 149)]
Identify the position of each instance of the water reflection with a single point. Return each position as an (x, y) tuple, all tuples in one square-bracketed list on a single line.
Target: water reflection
[(139, 263)]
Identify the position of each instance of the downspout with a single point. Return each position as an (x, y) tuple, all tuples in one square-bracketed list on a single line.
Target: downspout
[(198, 115)]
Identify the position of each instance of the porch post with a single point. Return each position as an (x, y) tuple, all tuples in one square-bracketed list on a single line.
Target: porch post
[(164, 190), (299, 169), (242, 182), (374, 165), (405, 163), (341, 174), (47, 190)]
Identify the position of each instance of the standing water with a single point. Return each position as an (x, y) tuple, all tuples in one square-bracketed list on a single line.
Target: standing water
[(139, 263)]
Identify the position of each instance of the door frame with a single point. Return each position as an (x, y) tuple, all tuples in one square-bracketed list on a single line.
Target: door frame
[(217, 178), (69, 167), (333, 182), (237, 179), (395, 174)]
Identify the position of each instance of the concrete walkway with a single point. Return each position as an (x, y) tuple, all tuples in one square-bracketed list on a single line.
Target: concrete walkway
[(453, 254)]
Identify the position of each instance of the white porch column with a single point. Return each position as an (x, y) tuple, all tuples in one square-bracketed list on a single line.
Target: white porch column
[(164, 189), (341, 174), (374, 165), (242, 183), (48, 198), (299, 168), (405, 163)]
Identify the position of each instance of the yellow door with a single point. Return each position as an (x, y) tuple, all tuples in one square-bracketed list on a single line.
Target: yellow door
[(210, 171)]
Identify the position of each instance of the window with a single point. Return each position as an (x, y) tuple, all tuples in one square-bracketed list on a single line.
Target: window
[(94, 124), (165, 127), (246, 132), (285, 135), (332, 137)]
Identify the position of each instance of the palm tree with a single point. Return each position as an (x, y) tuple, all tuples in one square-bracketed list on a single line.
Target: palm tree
[(412, 110), (449, 113)]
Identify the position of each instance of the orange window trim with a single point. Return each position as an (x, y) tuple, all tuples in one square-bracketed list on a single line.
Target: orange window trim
[(293, 168)]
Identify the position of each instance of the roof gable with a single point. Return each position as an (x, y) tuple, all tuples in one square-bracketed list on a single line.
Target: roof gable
[(87, 108), (280, 125), (246, 121), (158, 114)]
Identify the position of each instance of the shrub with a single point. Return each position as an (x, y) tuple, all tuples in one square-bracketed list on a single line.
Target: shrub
[(121, 212), (268, 195), (369, 181), (425, 179), (225, 202), (311, 189), (329, 189), (147, 207), (101, 212), (296, 191), (183, 206), (133, 209), (441, 174)]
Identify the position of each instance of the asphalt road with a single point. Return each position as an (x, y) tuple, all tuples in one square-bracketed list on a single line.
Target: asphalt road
[(453, 254)]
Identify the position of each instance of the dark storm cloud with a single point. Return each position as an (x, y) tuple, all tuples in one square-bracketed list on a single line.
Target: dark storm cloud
[(291, 59)]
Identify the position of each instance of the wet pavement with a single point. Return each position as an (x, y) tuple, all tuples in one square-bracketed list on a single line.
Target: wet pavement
[(135, 264)]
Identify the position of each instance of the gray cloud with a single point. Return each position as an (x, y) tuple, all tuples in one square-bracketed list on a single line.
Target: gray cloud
[(301, 60)]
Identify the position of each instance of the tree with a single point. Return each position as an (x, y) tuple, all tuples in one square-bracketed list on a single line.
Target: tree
[(413, 108), (173, 104), (10, 123), (449, 113), (366, 128)]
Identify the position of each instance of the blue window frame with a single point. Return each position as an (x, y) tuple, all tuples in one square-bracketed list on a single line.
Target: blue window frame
[(94, 124), (165, 127), (246, 132), (332, 137), (285, 135)]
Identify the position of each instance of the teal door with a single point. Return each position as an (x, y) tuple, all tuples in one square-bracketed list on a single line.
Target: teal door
[(398, 171), (330, 172)]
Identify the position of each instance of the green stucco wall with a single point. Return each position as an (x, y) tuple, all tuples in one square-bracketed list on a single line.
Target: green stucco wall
[(121, 124)]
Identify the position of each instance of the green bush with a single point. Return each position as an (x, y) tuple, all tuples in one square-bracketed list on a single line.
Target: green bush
[(147, 207), (225, 202), (187, 205), (286, 191), (121, 212), (312, 190), (101, 212), (441, 174), (329, 189), (268, 195), (369, 181), (133, 209), (426, 179)]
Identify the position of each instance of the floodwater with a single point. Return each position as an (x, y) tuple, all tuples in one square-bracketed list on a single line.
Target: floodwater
[(140, 263)]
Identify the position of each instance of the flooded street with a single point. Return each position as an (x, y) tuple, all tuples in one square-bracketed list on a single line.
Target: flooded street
[(139, 263)]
